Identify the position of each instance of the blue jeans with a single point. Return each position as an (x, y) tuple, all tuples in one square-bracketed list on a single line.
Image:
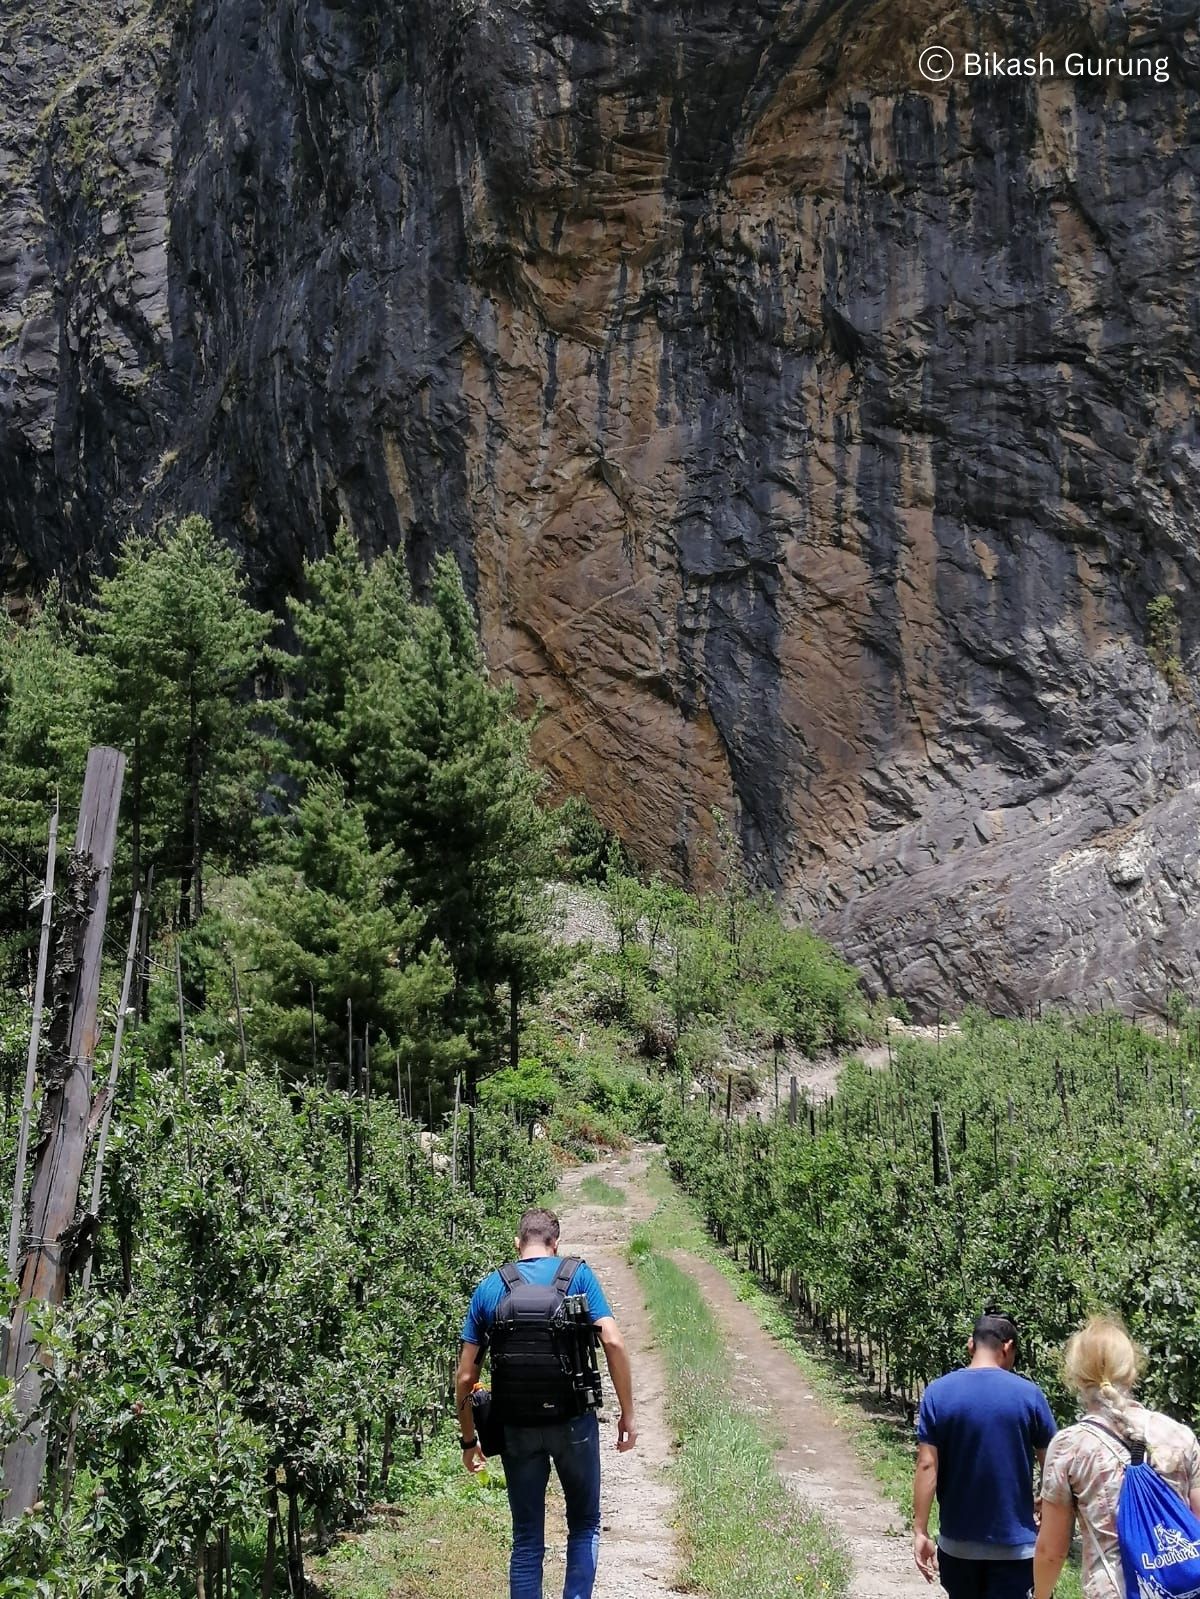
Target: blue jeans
[(574, 1447)]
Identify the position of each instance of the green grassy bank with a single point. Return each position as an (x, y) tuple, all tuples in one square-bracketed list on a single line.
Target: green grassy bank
[(741, 1531)]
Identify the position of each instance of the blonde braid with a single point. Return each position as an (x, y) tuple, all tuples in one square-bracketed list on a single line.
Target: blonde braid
[(1116, 1407), (1102, 1363)]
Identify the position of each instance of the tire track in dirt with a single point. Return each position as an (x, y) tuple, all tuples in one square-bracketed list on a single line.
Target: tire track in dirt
[(638, 1558), (813, 1455)]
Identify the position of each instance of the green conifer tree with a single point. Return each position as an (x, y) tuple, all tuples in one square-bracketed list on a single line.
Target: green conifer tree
[(326, 926), (393, 695), (344, 624), (174, 646), (43, 749)]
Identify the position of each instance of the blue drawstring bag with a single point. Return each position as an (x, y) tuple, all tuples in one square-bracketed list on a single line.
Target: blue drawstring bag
[(1157, 1533)]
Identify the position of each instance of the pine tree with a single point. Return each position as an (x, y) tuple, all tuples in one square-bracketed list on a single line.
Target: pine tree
[(325, 927), (344, 624), (43, 749), (393, 696), (174, 646)]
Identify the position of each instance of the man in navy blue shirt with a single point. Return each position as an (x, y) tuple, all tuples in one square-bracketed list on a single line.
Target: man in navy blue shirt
[(573, 1445), (979, 1430)]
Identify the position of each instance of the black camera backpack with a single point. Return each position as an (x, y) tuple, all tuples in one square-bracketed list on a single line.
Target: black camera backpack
[(542, 1348)]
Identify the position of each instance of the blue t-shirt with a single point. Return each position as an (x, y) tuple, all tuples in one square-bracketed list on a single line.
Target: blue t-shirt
[(985, 1424), (485, 1301)]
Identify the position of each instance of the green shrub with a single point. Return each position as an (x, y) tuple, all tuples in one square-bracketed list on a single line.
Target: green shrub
[(585, 843), (529, 1090), (583, 1132), (1162, 638)]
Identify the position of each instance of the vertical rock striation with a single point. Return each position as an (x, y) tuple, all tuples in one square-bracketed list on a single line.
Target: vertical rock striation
[(816, 438)]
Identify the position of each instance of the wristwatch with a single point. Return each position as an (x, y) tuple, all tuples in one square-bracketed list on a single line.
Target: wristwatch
[(468, 1443)]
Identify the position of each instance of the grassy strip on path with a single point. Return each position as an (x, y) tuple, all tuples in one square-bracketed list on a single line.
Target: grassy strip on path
[(448, 1539), (882, 1439), (597, 1192), (742, 1531)]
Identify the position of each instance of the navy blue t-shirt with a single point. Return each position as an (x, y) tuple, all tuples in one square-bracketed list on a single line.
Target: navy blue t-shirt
[(985, 1424), (485, 1301)]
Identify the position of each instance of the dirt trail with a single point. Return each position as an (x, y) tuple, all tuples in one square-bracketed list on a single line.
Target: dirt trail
[(814, 1456), (637, 1543), (818, 1075)]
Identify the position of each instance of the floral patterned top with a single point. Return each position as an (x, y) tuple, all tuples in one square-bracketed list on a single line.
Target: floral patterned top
[(1083, 1470)]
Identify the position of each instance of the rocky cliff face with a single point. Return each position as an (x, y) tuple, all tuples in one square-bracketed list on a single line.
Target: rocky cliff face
[(820, 441)]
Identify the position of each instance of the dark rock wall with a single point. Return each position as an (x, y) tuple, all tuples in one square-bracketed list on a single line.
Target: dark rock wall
[(815, 438)]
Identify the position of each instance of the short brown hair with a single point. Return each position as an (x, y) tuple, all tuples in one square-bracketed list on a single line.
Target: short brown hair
[(538, 1226)]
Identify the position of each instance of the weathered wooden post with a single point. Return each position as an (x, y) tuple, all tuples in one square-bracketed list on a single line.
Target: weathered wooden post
[(66, 1107), (454, 1134), (241, 1025), (182, 1022), (471, 1147), (935, 1144)]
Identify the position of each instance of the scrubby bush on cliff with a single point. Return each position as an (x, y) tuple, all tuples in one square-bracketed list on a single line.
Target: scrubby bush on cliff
[(1162, 638)]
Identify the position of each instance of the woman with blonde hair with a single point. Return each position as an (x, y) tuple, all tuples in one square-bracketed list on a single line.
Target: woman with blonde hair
[(1085, 1464)]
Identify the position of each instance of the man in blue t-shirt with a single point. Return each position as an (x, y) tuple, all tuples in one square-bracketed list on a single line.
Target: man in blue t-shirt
[(573, 1446), (978, 1432)]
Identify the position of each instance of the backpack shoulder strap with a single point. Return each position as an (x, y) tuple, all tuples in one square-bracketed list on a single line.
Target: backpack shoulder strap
[(510, 1275), (1135, 1448), (567, 1270)]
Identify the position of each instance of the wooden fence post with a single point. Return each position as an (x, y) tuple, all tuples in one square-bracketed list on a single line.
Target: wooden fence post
[(67, 1103), (237, 1003), (935, 1144), (182, 1021), (454, 1134)]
